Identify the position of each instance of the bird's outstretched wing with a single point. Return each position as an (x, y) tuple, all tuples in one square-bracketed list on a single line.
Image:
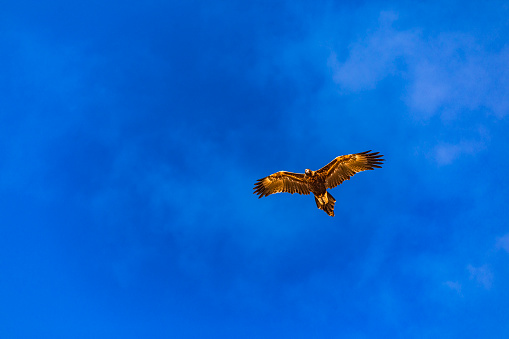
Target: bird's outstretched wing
[(345, 166), (281, 182)]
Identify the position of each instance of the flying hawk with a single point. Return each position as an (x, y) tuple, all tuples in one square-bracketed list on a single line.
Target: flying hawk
[(317, 182)]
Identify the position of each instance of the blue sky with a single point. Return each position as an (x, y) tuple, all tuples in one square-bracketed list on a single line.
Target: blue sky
[(133, 132)]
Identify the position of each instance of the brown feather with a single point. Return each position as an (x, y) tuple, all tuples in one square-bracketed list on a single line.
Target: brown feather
[(345, 166), (281, 181)]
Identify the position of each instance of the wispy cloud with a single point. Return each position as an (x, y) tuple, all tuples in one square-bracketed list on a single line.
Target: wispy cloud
[(446, 153), (375, 57), (482, 275), (455, 286), (445, 73), (503, 242)]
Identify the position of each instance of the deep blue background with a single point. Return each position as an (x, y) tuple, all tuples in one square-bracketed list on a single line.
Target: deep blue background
[(132, 134)]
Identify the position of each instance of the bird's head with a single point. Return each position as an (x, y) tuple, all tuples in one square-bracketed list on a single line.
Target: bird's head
[(309, 173)]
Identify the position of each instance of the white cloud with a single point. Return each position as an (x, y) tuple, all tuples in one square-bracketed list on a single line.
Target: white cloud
[(374, 58), (455, 286), (444, 73), (482, 275), (446, 153), (428, 90), (503, 242)]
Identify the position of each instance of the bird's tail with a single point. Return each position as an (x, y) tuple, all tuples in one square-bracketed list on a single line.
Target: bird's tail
[(326, 204)]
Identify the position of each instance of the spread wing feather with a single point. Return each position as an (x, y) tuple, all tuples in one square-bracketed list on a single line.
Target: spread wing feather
[(281, 182), (345, 166)]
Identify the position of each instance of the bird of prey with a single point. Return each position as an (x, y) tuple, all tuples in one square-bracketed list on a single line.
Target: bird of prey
[(317, 182)]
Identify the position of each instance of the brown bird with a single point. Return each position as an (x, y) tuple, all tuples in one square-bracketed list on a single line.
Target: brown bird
[(317, 182)]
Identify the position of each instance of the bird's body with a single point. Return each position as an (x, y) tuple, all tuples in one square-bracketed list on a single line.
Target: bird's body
[(324, 200), (317, 182)]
